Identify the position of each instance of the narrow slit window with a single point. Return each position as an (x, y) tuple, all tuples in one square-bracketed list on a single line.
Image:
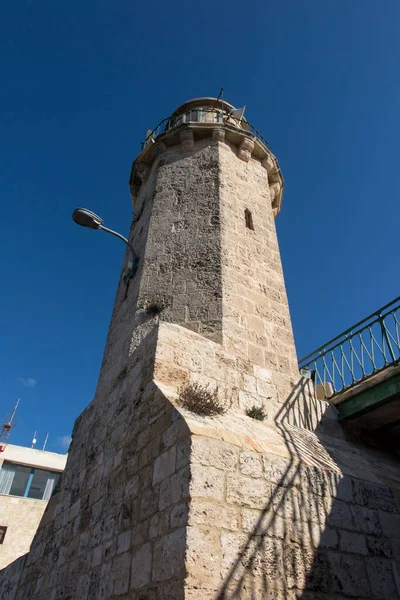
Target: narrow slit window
[(249, 219), (3, 530)]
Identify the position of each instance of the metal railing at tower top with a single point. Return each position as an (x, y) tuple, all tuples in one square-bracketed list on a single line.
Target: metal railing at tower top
[(203, 115), (357, 353)]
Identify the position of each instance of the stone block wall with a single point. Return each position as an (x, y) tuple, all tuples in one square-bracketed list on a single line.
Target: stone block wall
[(182, 262), (21, 516), (157, 503), (10, 577), (285, 508), (256, 322), (284, 529), (116, 524), (200, 263)]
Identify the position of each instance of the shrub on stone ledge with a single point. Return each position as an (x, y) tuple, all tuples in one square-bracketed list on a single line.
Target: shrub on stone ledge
[(256, 413), (201, 400), (155, 308)]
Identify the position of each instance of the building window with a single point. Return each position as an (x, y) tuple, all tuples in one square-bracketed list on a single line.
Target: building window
[(3, 530), (28, 482), (249, 219)]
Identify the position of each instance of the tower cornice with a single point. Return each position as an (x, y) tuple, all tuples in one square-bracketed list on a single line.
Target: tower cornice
[(227, 130)]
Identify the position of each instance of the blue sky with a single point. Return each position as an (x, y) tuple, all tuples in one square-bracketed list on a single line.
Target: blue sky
[(83, 81)]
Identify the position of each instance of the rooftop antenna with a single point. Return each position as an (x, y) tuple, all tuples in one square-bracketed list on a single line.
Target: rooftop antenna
[(45, 441), (34, 440), (220, 96), (7, 426)]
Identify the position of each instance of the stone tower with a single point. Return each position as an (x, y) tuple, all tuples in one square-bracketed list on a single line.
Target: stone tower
[(160, 503)]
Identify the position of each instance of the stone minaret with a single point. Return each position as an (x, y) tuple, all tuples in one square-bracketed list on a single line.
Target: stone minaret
[(160, 503)]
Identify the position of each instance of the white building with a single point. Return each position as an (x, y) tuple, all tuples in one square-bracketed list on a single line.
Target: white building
[(27, 481)]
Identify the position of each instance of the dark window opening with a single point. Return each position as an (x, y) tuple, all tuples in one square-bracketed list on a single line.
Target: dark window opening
[(3, 530), (249, 219)]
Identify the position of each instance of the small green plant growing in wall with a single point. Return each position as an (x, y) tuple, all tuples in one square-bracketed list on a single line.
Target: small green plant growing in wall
[(201, 400), (256, 413)]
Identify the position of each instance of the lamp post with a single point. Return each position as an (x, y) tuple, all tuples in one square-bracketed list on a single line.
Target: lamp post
[(87, 218)]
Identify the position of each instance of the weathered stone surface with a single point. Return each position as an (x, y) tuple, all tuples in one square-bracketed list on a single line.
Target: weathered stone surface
[(207, 482), (262, 374), (324, 537), (289, 503), (259, 522), (265, 389), (299, 533), (120, 573), (173, 434), (209, 453), (390, 524), (374, 496), (280, 471), (314, 481), (139, 533), (124, 542), (366, 520), (202, 559), (297, 565), (148, 503), (340, 487), (174, 489), (396, 574), (183, 454), (381, 579), (377, 546), (11, 577), (341, 516), (232, 546), (168, 557), (243, 491), (349, 575), (141, 566), (171, 590), (159, 524), (164, 465), (265, 558), (319, 576), (247, 401), (179, 515), (353, 542), (97, 555), (250, 464), (214, 514)]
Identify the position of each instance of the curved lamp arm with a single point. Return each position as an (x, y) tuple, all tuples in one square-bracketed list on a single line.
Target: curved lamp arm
[(124, 239), (89, 219)]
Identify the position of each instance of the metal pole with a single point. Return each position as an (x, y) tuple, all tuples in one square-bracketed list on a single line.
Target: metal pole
[(121, 237), (45, 441), (385, 338), (14, 410), (216, 103)]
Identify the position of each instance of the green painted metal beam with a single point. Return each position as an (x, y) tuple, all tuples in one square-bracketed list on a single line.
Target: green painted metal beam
[(376, 395)]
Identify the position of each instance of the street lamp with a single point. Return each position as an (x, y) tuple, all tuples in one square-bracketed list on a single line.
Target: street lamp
[(87, 218)]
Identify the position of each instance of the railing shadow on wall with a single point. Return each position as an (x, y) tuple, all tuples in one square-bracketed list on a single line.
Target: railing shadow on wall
[(293, 550)]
